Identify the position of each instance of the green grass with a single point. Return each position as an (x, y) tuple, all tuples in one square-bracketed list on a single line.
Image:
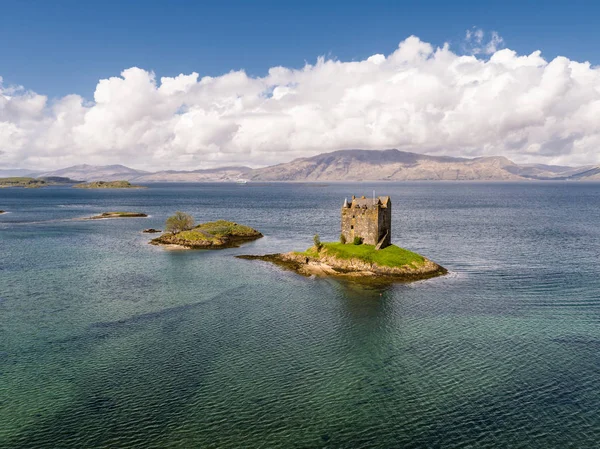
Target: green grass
[(214, 230), (194, 235), (223, 227), (392, 256)]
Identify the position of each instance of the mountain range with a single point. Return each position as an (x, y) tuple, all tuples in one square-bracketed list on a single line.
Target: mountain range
[(348, 165)]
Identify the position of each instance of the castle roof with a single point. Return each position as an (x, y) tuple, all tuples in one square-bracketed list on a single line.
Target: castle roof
[(384, 201)]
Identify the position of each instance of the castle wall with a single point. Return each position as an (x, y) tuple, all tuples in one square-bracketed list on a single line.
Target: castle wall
[(359, 222), (385, 225), (370, 222)]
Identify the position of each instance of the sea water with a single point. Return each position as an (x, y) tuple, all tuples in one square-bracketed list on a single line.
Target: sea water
[(107, 341)]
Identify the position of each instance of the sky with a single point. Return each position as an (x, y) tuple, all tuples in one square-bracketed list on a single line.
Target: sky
[(193, 84)]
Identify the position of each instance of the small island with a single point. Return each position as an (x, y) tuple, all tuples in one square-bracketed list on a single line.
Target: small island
[(181, 232), (118, 215), (365, 252), (107, 185), (357, 262)]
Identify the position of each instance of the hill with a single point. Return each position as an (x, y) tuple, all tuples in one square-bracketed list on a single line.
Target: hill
[(349, 165), (225, 174), (395, 165), (96, 173)]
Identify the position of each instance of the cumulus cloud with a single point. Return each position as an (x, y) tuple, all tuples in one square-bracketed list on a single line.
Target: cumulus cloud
[(418, 98)]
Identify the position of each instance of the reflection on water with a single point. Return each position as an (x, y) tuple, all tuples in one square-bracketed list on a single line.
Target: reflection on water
[(106, 341)]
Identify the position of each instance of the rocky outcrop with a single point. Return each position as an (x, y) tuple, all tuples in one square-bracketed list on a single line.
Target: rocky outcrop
[(208, 243), (118, 215)]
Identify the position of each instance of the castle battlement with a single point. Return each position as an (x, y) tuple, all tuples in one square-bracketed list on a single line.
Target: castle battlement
[(369, 219)]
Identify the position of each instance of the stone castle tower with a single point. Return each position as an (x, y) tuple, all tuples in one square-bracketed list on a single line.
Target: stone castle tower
[(368, 218)]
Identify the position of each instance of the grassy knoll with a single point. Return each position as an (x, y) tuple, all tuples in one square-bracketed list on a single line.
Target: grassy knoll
[(222, 228), (392, 256), (214, 234)]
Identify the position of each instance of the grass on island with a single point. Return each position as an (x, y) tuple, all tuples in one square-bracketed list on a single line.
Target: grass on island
[(107, 185), (215, 230), (392, 256)]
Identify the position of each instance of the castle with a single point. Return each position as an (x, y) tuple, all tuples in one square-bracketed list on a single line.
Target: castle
[(369, 219)]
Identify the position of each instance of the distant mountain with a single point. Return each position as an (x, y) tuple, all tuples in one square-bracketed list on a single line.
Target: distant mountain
[(18, 172), (120, 172), (346, 165), (589, 174), (211, 175), (59, 180), (96, 173), (395, 165)]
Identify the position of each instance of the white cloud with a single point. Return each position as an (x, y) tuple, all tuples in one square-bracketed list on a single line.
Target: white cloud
[(418, 98), (475, 44)]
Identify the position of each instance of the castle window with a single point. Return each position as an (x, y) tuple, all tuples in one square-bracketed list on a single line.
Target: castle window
[(352, 216), (351, 227)]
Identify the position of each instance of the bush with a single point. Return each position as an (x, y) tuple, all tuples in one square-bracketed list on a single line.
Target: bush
[(179, 222), (317, 241), (357, 241), (342, 239)]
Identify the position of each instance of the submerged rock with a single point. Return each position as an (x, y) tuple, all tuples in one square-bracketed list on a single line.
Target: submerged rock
[(151, 231)]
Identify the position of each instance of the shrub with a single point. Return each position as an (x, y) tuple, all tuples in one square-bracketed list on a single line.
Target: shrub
[(317, 241), (179, 222), (342, 239), (357, 240)]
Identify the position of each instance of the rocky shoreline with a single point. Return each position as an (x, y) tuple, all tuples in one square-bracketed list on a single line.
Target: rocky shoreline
[(220, 243), (353, 269)]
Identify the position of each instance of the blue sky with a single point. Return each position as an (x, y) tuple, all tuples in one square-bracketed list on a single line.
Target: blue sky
[(60, 47), (186, 84)]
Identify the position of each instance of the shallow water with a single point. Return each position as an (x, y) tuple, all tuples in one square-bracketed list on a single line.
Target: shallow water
[(106, 341)]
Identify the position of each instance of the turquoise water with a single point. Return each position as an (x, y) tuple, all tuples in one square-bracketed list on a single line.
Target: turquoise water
[(106, 341)]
